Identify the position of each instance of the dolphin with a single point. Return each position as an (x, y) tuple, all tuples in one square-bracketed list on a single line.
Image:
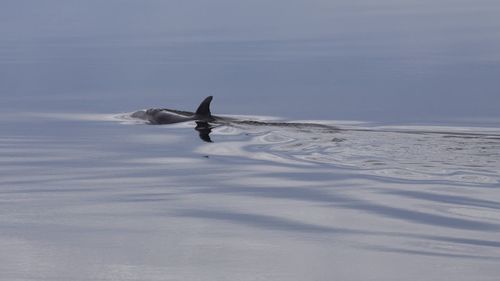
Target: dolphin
[(171, 116), (202, 116)]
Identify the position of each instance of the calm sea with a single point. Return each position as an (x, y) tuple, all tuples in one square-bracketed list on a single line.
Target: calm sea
[(390, 170)]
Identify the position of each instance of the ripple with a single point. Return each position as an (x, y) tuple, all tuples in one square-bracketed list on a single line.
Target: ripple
[(455, 154), (465, 155)]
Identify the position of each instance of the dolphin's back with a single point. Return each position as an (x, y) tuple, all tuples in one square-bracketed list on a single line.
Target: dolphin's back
[(166, 116), (169, 116)]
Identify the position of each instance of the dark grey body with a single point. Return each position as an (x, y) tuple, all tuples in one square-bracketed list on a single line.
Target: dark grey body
[(202, 117), (170, 116)]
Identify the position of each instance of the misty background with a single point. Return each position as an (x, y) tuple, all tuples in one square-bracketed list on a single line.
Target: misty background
[(387, 61), (86, 193)]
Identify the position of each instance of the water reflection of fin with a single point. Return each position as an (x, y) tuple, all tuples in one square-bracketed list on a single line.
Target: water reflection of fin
[(204, 130)]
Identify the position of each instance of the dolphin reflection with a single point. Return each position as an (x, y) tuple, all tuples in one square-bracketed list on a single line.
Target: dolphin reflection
[(204, 129)]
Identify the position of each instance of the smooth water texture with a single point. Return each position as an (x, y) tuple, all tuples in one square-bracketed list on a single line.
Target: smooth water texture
[(367, 146)]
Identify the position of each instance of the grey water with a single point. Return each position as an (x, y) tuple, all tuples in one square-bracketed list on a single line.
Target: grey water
[(366, 141)]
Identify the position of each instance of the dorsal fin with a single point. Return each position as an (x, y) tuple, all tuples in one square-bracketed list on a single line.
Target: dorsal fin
[(204, 108)]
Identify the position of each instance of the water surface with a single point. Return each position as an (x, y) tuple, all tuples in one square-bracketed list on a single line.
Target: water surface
[(406, 189), (107, 198)]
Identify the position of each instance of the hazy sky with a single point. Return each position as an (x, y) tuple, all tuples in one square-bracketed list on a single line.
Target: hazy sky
[(381, 60), (254, 19)]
